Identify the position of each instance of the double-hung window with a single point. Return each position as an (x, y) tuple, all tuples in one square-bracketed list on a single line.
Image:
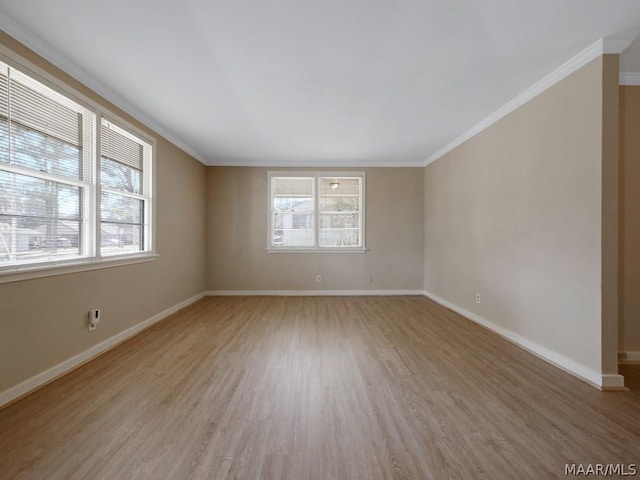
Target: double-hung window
[(125, 200), (75, 186), (316, 211)]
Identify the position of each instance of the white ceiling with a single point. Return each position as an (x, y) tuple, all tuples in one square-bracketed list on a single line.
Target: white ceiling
[(315, 82)]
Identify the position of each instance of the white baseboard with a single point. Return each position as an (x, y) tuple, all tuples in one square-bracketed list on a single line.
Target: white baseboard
[(311, 293), (52, 373), (611, 381), (597, 379), (629, 357)]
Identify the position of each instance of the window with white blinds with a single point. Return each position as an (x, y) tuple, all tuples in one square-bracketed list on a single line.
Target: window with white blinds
[(125, 200), (53, 209), (316, 211)]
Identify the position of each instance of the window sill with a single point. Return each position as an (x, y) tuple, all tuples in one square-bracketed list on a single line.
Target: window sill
[(25, 272), (317, 250)]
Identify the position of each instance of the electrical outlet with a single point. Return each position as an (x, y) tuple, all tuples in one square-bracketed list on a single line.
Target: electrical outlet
[(318, 279), (94, 319), (370, 280), (477, 298)]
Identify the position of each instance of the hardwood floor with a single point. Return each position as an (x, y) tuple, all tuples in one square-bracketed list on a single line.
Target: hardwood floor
[(317, 388)]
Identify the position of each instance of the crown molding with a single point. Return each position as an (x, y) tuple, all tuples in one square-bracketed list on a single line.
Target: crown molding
[(602, 46), (315, 163), (630, 78), (37, 45)]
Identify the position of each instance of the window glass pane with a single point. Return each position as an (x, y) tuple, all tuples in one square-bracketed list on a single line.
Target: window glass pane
[(339, 212), (38, 219), (63, 236), (292, 186), (340, 237), (119, 176), (343, 186), (293, 229), (293, 204), (27, 196), (339, 204), (292, 194), (35, 150), (339, 220), (51, 239), (119, 208), (118, 238)]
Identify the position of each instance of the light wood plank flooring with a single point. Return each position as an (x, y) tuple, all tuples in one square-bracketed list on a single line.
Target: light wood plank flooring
[(317, 388)]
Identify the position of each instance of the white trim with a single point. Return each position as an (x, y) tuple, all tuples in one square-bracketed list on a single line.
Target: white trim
[(351, 163), (26, 272), (310, 293), (593, 51), (43, 175), (629, 78), (52, 373), (629, 357), (317, 250), (33, 42), (567, 364), (611, 381)]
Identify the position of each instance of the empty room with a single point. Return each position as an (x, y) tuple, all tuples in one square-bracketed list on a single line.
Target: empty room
[(319, 239)]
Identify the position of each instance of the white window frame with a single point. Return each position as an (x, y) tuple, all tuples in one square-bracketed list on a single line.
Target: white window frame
[(316, 176), (93, 258), (147, 185)]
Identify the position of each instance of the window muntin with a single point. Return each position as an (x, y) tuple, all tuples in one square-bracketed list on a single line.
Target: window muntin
[(50, 201), (319, 211)]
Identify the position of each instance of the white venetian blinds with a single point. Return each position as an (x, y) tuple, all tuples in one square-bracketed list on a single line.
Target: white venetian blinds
[(42, 129)]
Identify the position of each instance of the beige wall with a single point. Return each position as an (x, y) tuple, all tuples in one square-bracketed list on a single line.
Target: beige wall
[(630, 224), (237, 232), (515, 214), (44, 321), (610, 211)]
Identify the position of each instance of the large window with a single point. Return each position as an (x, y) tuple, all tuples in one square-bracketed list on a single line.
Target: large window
[(75, 186), (315, 212)]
